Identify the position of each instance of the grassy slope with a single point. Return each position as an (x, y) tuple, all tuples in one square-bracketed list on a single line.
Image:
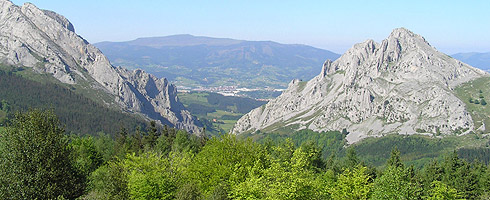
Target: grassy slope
[(480, 113)]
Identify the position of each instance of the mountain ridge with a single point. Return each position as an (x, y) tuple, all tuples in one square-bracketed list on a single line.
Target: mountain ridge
[(211, 62), (175, 40), (46, 42), (476, 59), (401, 85)]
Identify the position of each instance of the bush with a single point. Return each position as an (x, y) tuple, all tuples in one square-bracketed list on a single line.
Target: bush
[(483, 102)]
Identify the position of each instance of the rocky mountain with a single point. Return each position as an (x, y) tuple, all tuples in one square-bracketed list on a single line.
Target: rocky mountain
[(401, 85), (195, 61), (480, 60), (46, 42)]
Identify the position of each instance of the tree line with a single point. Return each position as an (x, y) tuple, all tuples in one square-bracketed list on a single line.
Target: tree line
[(39, 161)]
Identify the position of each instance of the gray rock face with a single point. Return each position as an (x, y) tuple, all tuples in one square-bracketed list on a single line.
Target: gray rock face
[(47, 42), (402, 85)]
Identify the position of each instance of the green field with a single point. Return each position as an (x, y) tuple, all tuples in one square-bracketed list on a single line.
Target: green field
[(219, 113)]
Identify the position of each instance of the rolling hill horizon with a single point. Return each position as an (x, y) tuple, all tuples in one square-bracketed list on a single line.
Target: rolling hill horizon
[(194, 61)]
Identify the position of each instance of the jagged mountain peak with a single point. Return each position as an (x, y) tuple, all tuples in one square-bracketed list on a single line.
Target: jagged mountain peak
[(402, 33), (46, 42), (402, 39), (404, 55), (7, 2), (406, 36), (401, 85)]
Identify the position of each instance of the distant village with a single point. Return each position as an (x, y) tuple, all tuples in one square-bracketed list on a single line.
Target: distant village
[(228, 90)]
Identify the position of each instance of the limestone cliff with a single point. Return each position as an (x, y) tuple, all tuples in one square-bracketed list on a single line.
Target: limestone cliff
[(401, 85), (46, 42)]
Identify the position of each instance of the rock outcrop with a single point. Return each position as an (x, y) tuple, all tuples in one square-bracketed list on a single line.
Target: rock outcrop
[(46, 42), (402, 85)]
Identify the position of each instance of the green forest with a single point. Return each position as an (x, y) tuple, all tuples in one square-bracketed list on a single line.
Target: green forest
[(38, 160), (83, 115)]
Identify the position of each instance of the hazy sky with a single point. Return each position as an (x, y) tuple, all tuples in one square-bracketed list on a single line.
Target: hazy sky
[(450, 26)]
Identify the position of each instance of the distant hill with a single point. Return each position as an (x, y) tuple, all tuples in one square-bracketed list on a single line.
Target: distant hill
[(204, 61), (480, 60)]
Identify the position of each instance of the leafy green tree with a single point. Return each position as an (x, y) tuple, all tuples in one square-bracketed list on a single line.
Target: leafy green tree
[(5, 106), (145, 176), (254, 187), (284, 150), (432, 172), (188, 191), (441, 191), (314, 153), (110, 181), (185, 142), (104, 144), (219, 193), (283, 179), (149, 177), (455, 173), (87, 158), (223, 162), (294, 179), (35, 159), (396, 183), (353, 184)]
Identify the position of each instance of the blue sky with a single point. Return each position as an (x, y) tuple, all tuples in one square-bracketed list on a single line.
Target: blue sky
[(450, 26)]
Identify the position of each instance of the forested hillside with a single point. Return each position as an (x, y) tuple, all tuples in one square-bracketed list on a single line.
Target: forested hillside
[(416, 150), (164, 163), (83, 114)]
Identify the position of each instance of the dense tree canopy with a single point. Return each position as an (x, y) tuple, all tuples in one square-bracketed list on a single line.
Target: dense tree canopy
[(38, 161)]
